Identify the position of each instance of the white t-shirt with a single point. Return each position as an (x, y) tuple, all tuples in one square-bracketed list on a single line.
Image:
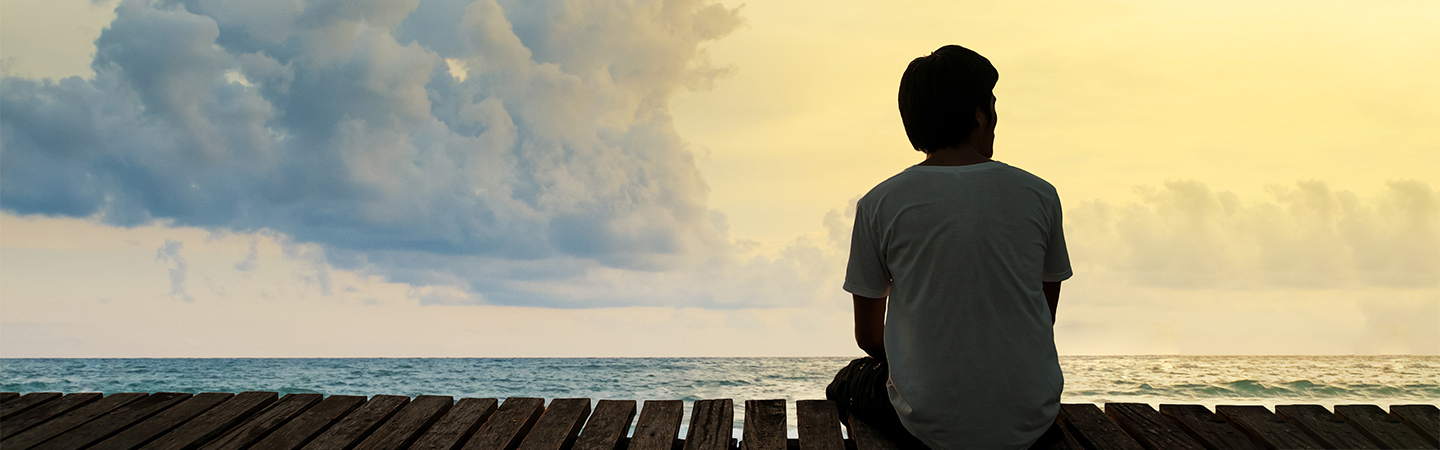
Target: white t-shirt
[(961, 251)]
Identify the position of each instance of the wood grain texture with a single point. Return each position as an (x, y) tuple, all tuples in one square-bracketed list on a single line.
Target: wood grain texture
[(818, 423), (251, 431), (1207, 428), (309, 424), (1322, 426), (25, 402), (659, 425), (1264, 427), (112, 422), (607, 426), (1424, 420), (458, 425), (356, 426), (68, 421), (1093, 429), (711, 422), (866, 437), (147, 430), (8, 396), (764, 425), (405, 427), (24, 420), (214, 421), (1385, 430), (508, 426), (1152, 430), (559, 426)]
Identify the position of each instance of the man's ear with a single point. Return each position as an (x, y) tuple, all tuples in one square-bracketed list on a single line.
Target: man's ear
[(982, 118)]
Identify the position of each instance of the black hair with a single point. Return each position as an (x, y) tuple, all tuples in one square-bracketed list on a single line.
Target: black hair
[(939, 93)]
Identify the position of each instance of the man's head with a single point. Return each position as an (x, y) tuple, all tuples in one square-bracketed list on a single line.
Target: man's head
[(939, 95)]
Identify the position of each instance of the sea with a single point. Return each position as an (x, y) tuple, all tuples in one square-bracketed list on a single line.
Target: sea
[(1204, 380)]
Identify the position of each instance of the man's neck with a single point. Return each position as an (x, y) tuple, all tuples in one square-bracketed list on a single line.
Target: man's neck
[(955, 156)]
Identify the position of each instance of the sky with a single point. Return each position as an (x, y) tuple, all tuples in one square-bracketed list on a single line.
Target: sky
[(496, 178)]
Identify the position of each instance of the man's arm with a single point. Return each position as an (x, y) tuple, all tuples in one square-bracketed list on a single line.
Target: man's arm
[(1052, 296), (870, 325)]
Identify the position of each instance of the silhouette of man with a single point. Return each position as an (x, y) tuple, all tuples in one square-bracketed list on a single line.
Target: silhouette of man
[(955, 266)]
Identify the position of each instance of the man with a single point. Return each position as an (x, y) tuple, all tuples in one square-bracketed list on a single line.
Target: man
[(966, 255)]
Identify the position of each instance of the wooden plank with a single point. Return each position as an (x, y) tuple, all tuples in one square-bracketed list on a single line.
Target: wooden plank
[(558, 426), (458, 425), (866, 437), (255, 429), (42, 412), (309, 424), (1263, 427), (711, 424), (764, 425), (508, 425), (116, 420), (213, 421), (406, 426), (1149, 428), (68, 421), (358, 425), (607, 426), (1093, 429), (159, 424), (1207, 428), (818, 424), (659, 425), (1056, 438), (1423, 419), (1322, 426), (1380, 427), (25, 402), (8, 396)]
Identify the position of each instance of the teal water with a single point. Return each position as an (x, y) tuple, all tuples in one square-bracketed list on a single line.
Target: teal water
[(1206, 380)]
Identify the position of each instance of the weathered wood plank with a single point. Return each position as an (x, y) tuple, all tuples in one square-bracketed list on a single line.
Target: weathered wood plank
[(309, 424), (659, 425), (26, 419), (1387, 431), (1423, 419), (25, 402), (607, 426), (406, 426), (1263, 427), (240, 437), (213, 421), (1322, 426), (114, 421), (457, 425), (558, 426), (508, 425), (358, 425), (711, 425), (866, 437), (1207, 428), (818, 424), (8, 396), (1093, 429), (1149, 428), (158, 424), (68, 421), (1056, 438), (764, 425)]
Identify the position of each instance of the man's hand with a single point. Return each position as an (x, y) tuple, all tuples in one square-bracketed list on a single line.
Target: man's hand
[(1052, 296), (870, 325)]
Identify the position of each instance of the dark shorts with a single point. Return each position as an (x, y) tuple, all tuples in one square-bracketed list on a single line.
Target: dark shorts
[(859, 391)]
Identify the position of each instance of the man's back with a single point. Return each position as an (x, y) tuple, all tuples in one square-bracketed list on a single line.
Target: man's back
[(961, 251)]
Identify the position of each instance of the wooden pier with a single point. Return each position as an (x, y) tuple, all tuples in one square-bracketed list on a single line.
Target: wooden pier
[(265, 420)]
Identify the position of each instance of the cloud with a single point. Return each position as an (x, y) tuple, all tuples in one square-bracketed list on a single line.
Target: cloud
[(170, 254), (340, 123), (1184, 235)]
